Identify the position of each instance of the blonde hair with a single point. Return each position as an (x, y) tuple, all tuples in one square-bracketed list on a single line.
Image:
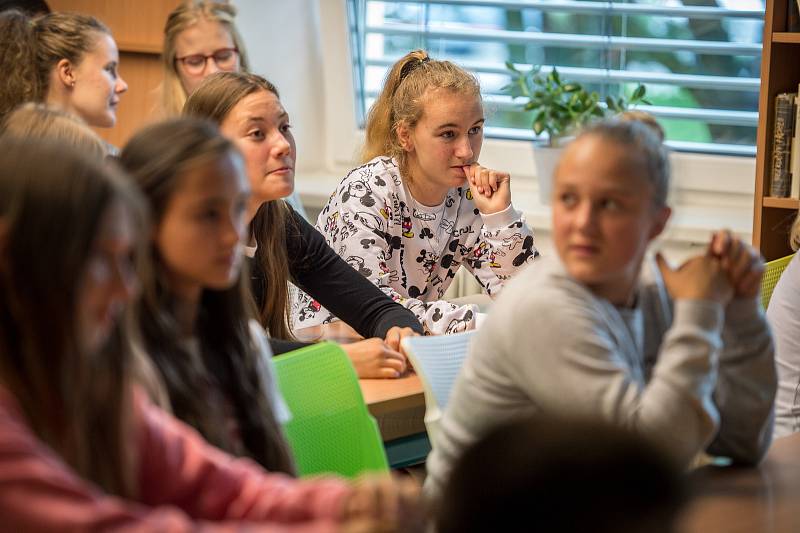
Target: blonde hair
[(186, 15), (214, 99), (32, 47), (402, 101), (38, 121)]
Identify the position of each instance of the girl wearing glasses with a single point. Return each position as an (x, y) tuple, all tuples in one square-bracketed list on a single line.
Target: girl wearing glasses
[(67, 60), (200, 39)]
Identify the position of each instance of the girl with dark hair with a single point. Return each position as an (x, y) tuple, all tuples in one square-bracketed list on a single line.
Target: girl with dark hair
[(81, 449), (194, 318), (287, 248)]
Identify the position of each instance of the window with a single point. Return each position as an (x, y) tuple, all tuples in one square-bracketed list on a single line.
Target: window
[(700, 59)]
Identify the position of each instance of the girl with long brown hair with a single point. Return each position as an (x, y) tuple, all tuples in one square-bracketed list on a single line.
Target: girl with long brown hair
[(81, 448), (249, 111), (194, 316), (67, 60)]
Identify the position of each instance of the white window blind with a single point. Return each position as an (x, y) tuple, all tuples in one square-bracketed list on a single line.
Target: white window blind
[(699, 59)]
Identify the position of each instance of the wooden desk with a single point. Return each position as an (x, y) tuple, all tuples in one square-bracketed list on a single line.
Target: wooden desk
[(398, 405), (733, 500)]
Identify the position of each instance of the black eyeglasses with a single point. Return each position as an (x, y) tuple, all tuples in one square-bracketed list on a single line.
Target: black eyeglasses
[(225, 58)]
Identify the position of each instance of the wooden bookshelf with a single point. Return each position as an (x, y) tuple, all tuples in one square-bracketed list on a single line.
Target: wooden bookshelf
[(780, 72), (781, 203)]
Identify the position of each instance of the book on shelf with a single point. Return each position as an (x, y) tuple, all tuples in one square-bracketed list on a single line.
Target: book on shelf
[(783, 131), (794, 158), (793, 15)]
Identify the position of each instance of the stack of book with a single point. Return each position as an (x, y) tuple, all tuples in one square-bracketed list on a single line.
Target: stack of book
[(785, 172)]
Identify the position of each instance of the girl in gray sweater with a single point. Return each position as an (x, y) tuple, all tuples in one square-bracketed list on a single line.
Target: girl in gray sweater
[(683, 355)]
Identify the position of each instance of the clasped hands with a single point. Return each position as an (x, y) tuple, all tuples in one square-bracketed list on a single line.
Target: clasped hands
[(730, 269)]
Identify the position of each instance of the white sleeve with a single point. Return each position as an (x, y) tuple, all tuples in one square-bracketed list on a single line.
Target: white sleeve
[(505, 244)]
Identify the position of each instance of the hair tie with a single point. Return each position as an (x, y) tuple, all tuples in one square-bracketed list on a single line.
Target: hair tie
[(409, 67)]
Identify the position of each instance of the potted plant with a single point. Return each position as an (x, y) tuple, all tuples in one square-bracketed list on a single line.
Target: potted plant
[(560, 109)]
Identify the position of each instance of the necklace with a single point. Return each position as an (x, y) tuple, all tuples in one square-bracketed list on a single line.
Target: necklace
[(424, 216)]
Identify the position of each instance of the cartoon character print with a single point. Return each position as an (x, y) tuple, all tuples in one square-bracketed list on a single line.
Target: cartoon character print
[(370, 220), (513, 241), (347, 228), (406, 216), (422, 215), (331, 228), (447, 226), (308, 311), (428, 261), (385, 211), (477, 253), (493, 253), (387, 275), (359, 189), (358, 264), (526, 254), (457, 325)]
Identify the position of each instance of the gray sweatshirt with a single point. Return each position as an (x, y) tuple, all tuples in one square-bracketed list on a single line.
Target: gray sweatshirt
[(689, 373)]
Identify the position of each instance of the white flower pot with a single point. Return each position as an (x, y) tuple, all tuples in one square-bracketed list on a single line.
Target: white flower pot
[(545, 159)]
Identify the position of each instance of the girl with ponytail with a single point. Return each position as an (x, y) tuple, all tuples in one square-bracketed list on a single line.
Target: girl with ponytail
[(421, 206)]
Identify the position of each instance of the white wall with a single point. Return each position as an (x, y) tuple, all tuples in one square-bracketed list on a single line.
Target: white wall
[(283, 45)]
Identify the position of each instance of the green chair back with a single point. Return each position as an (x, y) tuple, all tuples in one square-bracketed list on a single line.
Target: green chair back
[(331, 430), (772, 273)]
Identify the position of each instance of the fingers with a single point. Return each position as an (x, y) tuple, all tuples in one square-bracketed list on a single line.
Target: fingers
[(741, 262), (384, 503), (394, 361), (392, 339), (485, 180), (372, 358), (720, 242), (395, 335), (374, 497), (663, 266)]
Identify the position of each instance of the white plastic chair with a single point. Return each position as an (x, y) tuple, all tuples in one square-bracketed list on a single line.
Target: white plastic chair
[(437, 360)]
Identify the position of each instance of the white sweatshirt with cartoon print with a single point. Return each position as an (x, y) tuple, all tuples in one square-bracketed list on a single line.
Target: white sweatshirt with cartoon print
[(411, 251)]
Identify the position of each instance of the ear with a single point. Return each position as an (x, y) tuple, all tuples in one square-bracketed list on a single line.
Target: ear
[(404, 137), (65, 72), (660, 219)]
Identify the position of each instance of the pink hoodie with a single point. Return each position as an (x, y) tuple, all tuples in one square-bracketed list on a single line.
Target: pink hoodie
[(185, 485)]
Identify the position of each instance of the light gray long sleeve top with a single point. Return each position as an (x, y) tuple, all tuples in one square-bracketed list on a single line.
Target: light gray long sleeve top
[(692, 374), (783, 315)]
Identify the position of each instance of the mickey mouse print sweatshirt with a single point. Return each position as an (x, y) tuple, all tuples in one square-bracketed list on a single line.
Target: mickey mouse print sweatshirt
[(411, 251)]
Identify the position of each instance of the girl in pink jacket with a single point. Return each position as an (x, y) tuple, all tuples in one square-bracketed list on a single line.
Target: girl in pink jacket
[(80, 448)]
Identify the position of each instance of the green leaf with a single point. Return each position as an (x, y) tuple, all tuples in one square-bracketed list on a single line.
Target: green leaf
[(538, 127), (510, 66), (554, 75), (638, 94), (572, 87)]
